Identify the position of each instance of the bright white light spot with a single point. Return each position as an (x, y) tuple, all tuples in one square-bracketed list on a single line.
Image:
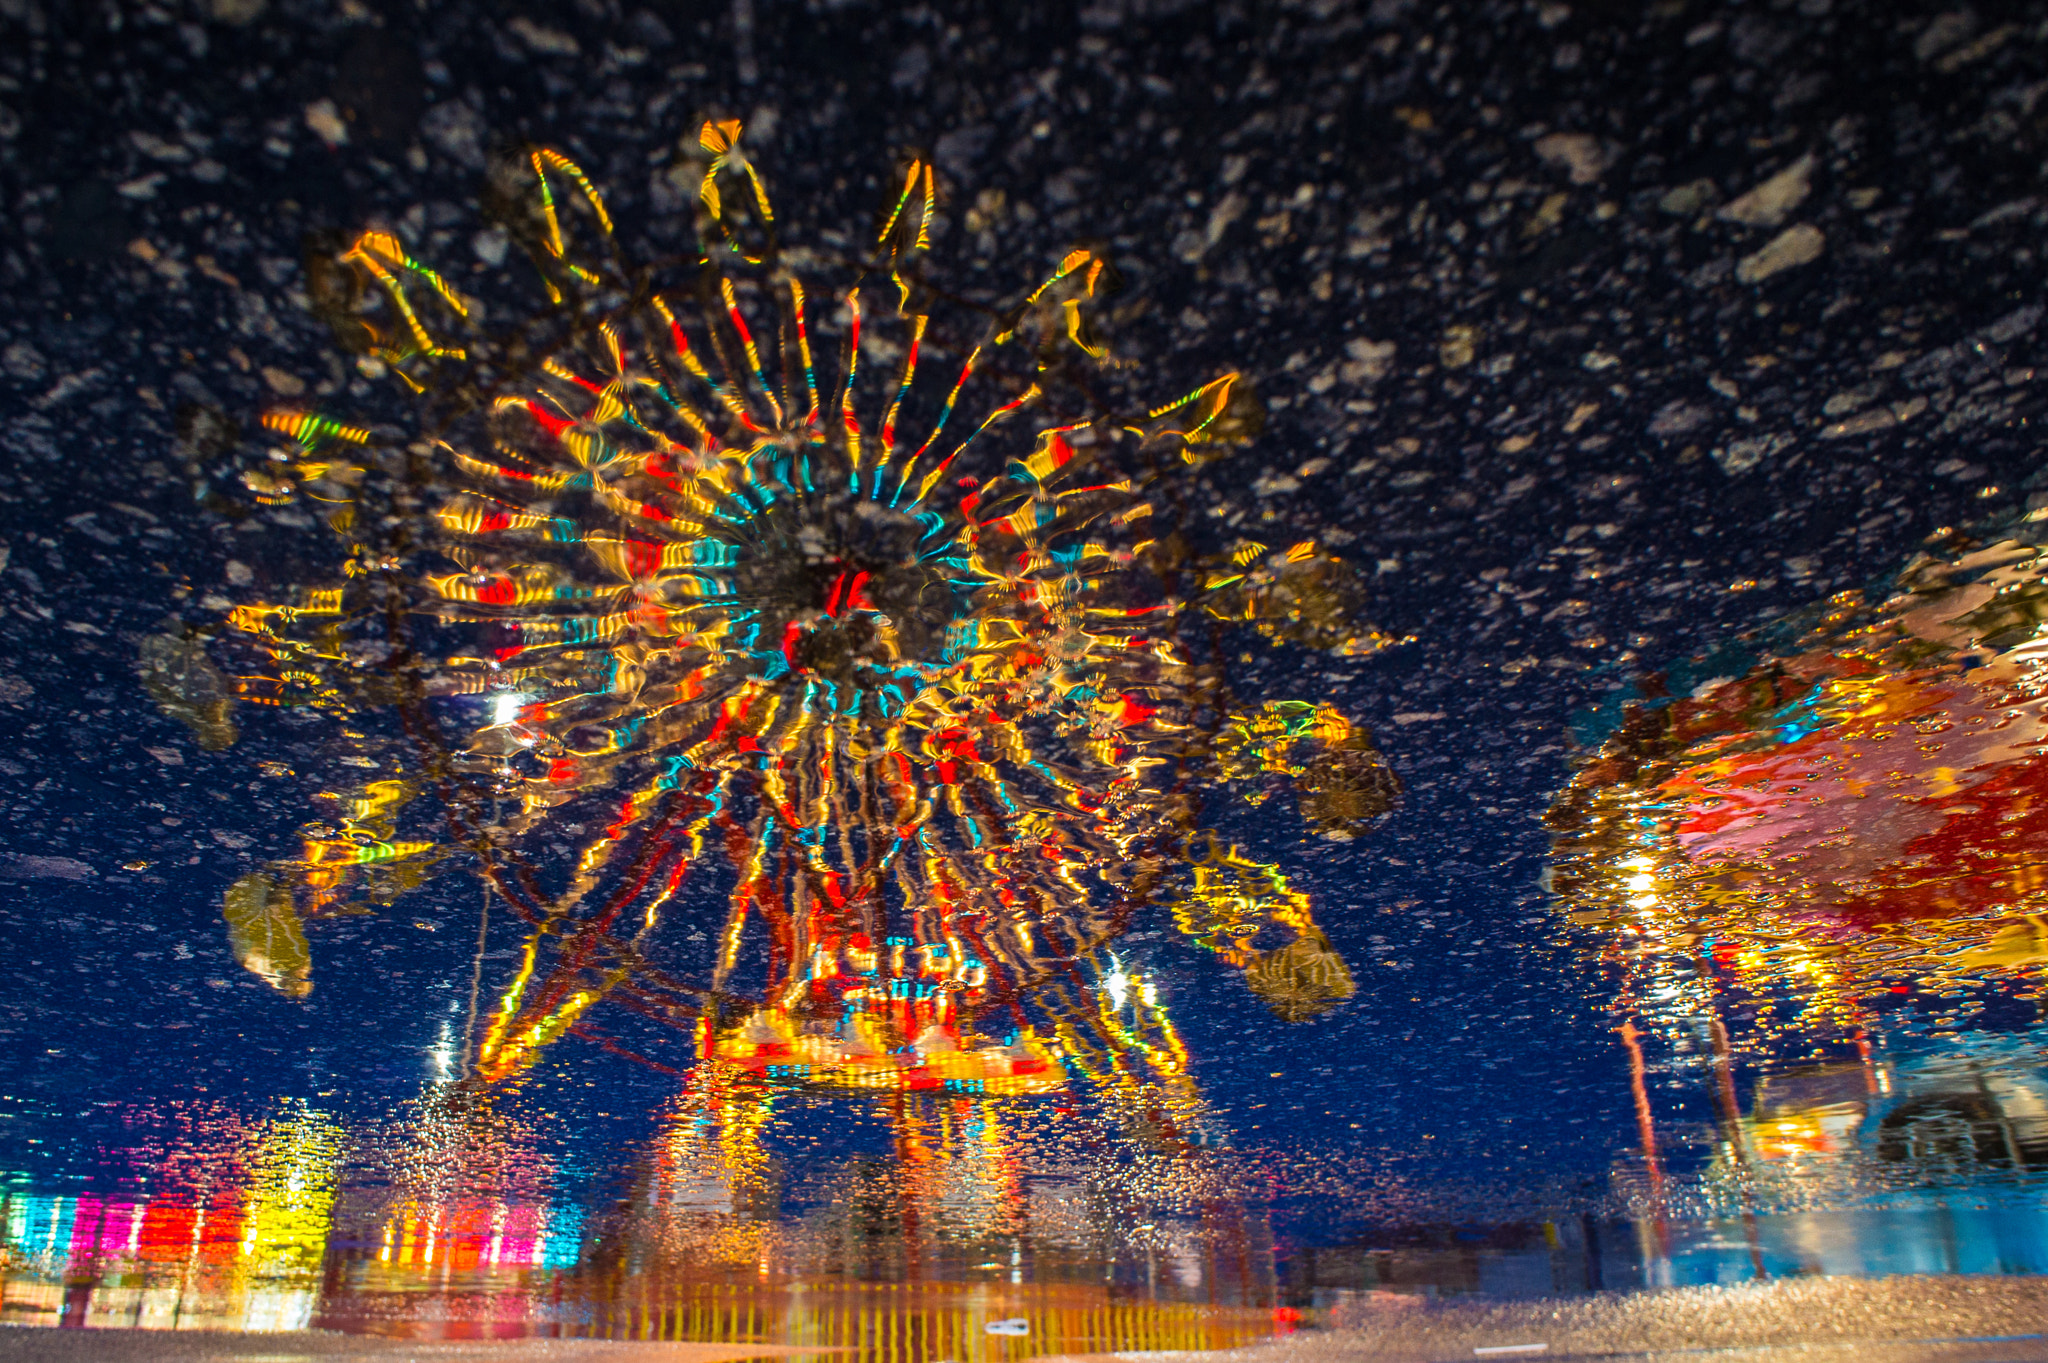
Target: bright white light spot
[(1642, 882), (1119, 985), (505, 707)]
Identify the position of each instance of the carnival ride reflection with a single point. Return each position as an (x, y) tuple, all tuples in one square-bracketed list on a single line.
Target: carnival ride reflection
[(927, 699), (969, 1190), (1798, 835), (967, 1183), (1847, 812)]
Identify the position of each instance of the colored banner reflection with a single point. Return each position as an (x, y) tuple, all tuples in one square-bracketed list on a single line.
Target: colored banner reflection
[(245, 1253)]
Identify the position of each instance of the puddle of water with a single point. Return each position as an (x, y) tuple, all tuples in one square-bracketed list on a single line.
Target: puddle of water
[(760, 796)]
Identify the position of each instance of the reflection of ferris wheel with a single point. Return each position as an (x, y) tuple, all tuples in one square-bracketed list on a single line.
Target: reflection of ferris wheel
[(930, 708)]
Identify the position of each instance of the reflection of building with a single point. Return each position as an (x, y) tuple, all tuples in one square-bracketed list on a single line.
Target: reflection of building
[(245, 1254), (1361, 1283), (1966, 1117), (713, 1244), (1919, 1161), (273, 1241), (464, 1212), (1943, 1116)]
